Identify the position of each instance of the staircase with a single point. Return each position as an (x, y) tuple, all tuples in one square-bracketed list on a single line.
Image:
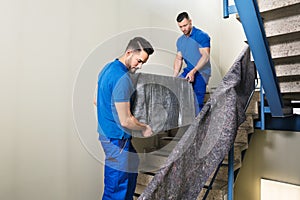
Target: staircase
[(281, 21), (167, 141)]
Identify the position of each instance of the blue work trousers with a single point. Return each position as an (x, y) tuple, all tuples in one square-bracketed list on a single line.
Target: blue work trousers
[(121, 169), (199, 86)]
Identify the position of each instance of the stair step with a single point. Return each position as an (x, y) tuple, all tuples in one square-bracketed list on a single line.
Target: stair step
[(289, 84), (213, 195), (253, 108), (241, 145), (147, 168), (237, 159), (281, 39), (221, 175), (178, 132), (247, 125), (161, 153), (291, 96), (286, 49), (219, 190), (242, 136), (286, 70), (282, 21), (248, 129), (166, 145), (289, 78), (286, 60), (168, 138), (275, 4), (218, 185), (146, 174), (290, 87), (139, 189), (144, 178), (153, 161)]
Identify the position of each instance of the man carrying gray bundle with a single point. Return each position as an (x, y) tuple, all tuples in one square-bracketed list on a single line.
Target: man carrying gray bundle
[(194, 48), (115, 120)]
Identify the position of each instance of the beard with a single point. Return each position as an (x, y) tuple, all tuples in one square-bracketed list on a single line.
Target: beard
[(188, 32), (128, 65), (132, 70)]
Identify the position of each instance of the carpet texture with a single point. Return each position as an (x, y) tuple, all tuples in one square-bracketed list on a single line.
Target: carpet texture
[(163, 102)]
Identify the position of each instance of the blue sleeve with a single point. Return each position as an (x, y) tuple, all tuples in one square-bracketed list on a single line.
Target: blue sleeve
[(179, 45), (204, 40), (123, 89)]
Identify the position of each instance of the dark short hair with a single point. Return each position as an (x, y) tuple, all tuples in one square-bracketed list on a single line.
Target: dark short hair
[(139, 44), (182, 16)]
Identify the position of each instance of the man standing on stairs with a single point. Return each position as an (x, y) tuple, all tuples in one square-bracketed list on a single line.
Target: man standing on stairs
[(115, 120), (194, 48)]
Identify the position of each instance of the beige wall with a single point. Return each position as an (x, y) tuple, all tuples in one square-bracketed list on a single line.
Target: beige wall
[(271, 155), (43, 44)]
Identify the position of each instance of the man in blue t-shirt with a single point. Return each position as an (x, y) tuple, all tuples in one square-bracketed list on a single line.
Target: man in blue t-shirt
[(115, 120), (194, 48)]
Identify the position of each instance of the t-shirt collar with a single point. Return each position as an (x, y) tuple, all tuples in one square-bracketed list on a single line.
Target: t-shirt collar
[(123, 67), (192, 31)]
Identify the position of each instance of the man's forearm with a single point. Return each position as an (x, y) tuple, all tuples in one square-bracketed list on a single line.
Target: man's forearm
[(205, 54), (177, 67), (127, 120), (201, 63)]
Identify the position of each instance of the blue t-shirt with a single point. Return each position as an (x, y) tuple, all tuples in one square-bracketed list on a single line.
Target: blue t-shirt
[(189, 48), (114, 85)]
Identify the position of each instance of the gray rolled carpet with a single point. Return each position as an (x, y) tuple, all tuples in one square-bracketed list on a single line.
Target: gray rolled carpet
[(208, 139)]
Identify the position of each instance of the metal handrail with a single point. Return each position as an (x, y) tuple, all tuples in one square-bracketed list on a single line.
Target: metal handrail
[(227, 10)]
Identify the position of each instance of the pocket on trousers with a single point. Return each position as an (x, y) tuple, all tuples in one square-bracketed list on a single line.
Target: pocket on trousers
[(111, 150)]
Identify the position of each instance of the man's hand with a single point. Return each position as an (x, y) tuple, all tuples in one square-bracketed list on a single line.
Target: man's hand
[(147, 132), (190, 76)]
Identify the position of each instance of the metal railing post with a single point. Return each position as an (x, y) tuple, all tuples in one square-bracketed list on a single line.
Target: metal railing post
[(225, 9), (230, 173), (262, 108)]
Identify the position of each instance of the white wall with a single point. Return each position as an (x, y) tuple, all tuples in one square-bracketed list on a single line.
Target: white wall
[(232, 39), (272, 155), (43, 44)]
